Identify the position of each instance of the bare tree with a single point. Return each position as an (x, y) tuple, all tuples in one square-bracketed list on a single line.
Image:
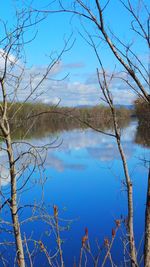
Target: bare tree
[(21, 155), (136, 76)]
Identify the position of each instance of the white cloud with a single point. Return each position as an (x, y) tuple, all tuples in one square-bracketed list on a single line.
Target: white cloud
[(123, 97), (74, 65), (71, 93), (51, 90)]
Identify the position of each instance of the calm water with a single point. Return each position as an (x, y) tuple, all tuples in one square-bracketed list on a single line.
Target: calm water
[(84, 178)]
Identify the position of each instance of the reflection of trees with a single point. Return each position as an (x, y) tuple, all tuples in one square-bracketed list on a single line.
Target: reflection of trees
[(143, 133), (143, 129), (57, 120)]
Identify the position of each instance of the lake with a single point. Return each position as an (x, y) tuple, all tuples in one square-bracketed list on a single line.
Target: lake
[(83, 176)]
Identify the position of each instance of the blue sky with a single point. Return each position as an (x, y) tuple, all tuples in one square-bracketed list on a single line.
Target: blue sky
[(80, 87)]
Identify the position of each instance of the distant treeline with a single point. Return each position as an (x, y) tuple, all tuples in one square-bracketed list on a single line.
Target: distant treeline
[(36, 119)]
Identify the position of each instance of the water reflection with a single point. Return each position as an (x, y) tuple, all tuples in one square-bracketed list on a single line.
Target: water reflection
[(84, 174), (92, 144), (82, 144), (42, 126), (60, 165), (93, 190), (143, 133), (49, 127)]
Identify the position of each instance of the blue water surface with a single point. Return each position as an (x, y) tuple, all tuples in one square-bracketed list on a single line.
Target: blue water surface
[(85, 179)]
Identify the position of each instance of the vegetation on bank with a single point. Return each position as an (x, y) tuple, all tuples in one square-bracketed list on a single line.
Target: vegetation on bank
[(21, 111)]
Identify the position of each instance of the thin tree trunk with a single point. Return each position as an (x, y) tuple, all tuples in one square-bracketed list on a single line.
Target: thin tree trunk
[(147, 227), (105, 89), (14, 215), (130, 209), (5, 128), (133, 253)]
